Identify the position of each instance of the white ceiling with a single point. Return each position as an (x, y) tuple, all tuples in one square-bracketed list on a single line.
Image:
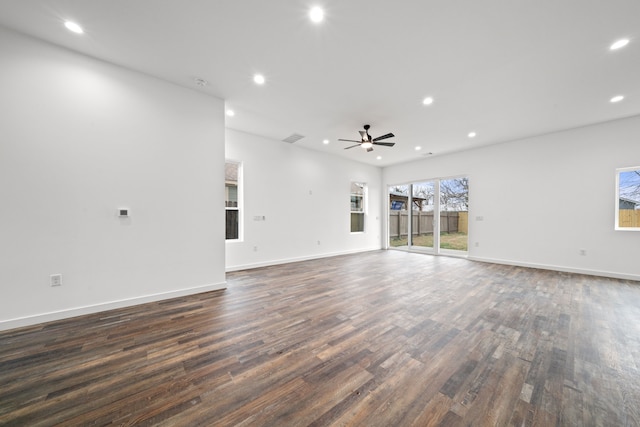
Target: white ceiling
[(506, 69)]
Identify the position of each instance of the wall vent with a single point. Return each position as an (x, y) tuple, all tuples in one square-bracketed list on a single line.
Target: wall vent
[(293, 138)]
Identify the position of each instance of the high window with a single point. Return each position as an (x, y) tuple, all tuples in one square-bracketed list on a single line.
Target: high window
[(232, 200), (358, 206)]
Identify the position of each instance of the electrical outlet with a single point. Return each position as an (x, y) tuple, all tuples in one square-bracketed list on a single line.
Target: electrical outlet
[(255, 249), (55, 280), (477, 244), (318, 241), (583, 252)]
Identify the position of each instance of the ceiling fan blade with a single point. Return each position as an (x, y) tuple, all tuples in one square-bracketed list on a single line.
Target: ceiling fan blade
[(380, 138), (369, 149), (362, 134), (357, 145), (386, 144), (349, 140)]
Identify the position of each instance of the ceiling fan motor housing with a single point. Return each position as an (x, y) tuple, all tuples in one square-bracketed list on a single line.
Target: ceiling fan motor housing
[(366, 131)]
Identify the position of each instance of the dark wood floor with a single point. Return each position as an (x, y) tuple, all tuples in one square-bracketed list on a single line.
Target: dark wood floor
[(382, 338)]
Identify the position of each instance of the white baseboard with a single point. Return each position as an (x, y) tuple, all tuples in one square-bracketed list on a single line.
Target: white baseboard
[(95, 308), (296, 259), (610, 274)]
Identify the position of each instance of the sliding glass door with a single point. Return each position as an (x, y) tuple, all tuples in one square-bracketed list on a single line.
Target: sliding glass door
[(430, 216), (422, 198), (399, 216), (454, 214)]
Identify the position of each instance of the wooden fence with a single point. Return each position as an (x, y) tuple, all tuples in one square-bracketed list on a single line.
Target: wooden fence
[(629, 218), (422, 223)]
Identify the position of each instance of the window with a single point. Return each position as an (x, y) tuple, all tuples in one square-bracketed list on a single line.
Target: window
[(231, 187), (430, 216), (358, 203), (628, 199)]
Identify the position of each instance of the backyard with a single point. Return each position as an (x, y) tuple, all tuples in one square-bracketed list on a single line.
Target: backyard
[(455, 241)]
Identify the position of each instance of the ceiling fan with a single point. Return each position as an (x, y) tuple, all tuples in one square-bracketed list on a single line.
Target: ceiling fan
[(368, 143)]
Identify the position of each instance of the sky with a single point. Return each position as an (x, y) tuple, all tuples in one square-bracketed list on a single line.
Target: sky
[(630, 184)]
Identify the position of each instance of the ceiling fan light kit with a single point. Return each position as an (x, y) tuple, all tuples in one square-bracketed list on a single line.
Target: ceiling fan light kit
[(367, 142)]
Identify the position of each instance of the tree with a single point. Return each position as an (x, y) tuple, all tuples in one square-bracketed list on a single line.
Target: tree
[(402, 189), (425, 192), (454, 194)]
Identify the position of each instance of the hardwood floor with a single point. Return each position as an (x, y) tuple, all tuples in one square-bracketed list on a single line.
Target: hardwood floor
[(382, 338)]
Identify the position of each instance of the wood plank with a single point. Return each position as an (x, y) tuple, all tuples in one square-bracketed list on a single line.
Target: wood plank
[(378, 338)]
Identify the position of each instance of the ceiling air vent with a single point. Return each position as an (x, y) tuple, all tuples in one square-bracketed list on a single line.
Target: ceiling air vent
[(293, 138)]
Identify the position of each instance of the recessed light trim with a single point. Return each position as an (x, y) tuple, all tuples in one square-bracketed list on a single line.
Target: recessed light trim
[(418, 148), (258, 79), (428, 100), (316, 14), (619, 44), (472, 134), (231, 113), (73, 27), (616, 98), (325, 141), (379, 158)]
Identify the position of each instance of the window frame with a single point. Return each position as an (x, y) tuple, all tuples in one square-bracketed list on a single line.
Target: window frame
[(617, 225), (363, 208), (239, 198), (436, 248)]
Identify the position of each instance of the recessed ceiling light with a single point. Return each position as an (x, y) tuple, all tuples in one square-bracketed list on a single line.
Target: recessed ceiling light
[(427, 101), (200, 82), (316, 14), (617, 98), (72, 26), (418, 148), (325, 141), (258, 79), (379, 158), (472, 135), (619, 44), (231, 113)]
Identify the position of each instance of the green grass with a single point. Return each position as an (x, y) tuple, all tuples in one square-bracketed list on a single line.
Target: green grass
[(454, 241)]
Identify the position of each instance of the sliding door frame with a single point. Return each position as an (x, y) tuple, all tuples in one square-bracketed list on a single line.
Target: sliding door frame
[(435, 250)]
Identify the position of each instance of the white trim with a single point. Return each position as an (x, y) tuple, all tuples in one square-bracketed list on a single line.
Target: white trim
[(599, 273), (96, 308), (297, 259)]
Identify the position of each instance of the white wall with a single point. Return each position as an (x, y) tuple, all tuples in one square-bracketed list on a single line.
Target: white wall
[(80, 138), (545, 198), (304, 196)]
